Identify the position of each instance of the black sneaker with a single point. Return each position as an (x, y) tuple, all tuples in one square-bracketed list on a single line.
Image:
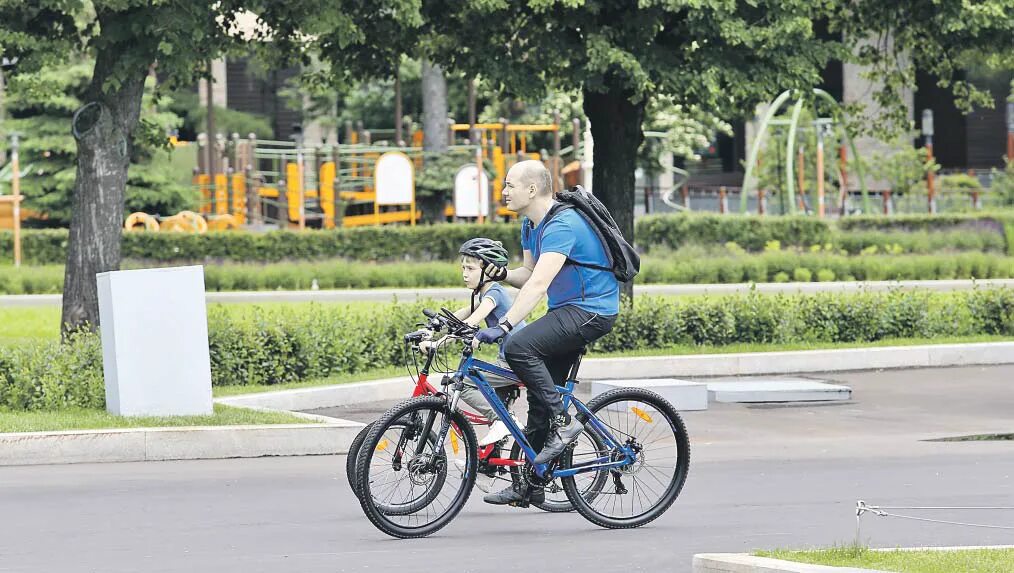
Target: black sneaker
[(515, 496), (563, 430)]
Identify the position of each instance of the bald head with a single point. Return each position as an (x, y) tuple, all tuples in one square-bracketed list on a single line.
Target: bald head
[(532, 172)]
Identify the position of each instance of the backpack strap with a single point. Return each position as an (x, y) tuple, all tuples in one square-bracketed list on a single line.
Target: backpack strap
[(560, 207)]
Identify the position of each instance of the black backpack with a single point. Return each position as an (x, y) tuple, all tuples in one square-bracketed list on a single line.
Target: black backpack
[(624, 261)]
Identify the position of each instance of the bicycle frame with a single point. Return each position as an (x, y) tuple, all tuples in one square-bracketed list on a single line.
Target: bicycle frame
[(424, 388), (472, 368)]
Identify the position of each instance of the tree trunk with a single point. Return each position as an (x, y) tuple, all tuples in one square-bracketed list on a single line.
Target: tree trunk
[(434, 94), (616, 130), (102, 129), (435, 128)]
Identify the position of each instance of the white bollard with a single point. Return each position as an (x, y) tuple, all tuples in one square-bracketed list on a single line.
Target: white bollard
[(154, 327)]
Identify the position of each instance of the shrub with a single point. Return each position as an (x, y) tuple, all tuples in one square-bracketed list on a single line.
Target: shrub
[(825, 275), (259, 345), (802, 275)]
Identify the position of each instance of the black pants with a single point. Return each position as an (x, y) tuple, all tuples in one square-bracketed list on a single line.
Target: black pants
[(542, 353)]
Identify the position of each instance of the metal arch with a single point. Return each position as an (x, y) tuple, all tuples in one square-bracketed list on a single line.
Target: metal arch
[(790, 156), (755, 148), (836, 109), (790, 159), (668, 197)]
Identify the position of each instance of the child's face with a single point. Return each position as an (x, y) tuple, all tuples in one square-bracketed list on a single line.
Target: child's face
[(471, 271)]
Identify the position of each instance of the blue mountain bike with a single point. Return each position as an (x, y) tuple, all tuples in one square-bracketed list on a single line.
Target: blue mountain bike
[(625, 470)]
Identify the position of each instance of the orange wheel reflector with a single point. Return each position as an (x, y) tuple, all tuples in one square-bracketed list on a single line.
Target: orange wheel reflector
[(641, 414)]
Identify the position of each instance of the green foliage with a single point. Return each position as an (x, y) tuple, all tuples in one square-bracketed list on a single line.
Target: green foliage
[(825, 317), (904, 168), (749, 232), (421, 243), (1003, 184), (51, 375), (279, 345), (194, 117), (41, 105), (676, 269)]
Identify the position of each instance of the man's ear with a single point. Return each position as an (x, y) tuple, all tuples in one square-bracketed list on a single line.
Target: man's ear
[(533, 190)]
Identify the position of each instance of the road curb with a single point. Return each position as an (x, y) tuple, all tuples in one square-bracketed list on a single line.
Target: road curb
[(801, 361), (745, 563), (185, 443)]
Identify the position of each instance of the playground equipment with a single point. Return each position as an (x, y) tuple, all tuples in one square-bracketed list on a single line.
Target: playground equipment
[(10, 205), (361, 181), (823, 126), (679, 185)]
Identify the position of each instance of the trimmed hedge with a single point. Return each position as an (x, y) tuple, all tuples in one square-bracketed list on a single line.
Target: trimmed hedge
[(824, 317), (981, 231), (390, 243), (750, 232), (287, 344), (676, 269), (805, 267), (913, 233)]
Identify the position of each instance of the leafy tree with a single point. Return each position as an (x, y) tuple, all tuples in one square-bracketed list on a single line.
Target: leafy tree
[(127, 38), (41, 106)]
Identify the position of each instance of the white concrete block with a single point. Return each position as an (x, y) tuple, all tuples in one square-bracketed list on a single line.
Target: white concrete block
[(682, 394), (776, 390), (155, 342)]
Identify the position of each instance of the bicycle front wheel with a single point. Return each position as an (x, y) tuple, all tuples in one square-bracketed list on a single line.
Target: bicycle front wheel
[(637, 493), (409, 484)]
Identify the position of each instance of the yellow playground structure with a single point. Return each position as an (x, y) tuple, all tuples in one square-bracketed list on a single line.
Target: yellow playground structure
[(365, 180)]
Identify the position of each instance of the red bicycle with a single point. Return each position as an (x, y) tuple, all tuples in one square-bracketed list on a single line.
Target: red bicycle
[(491, 463)]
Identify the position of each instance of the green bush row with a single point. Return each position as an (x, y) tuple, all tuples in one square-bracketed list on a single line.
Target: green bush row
[(421, 243), (983, 232), (287, 344), (750, 232), (787, 266), (824, 317), (913, 233), (779, 266)]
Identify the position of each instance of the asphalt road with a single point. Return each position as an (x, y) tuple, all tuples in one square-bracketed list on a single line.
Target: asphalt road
[(761, 477)]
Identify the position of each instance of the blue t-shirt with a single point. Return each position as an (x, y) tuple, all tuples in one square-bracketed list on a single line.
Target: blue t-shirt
[(502, 299), (570, 234)]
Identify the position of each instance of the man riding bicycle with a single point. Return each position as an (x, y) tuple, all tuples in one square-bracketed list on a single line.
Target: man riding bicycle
[(564, 260)]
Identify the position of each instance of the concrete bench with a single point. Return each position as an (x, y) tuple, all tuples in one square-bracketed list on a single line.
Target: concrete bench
[(682, 394), (776, 390)]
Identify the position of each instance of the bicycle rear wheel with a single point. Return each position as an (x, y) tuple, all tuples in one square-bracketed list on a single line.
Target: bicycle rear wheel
[(353, 456), (428, 482), (639, 492)]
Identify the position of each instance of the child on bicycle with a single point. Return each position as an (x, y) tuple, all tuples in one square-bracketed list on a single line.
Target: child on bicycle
[(494, 301)]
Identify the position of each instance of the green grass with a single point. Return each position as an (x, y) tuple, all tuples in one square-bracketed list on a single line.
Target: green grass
[(965, 561), (377, 374), (83, 419), (737, 348), (29, 323)]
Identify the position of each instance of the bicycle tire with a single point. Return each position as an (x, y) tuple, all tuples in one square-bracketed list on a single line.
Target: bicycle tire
[(376, 513), (682, 441)]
